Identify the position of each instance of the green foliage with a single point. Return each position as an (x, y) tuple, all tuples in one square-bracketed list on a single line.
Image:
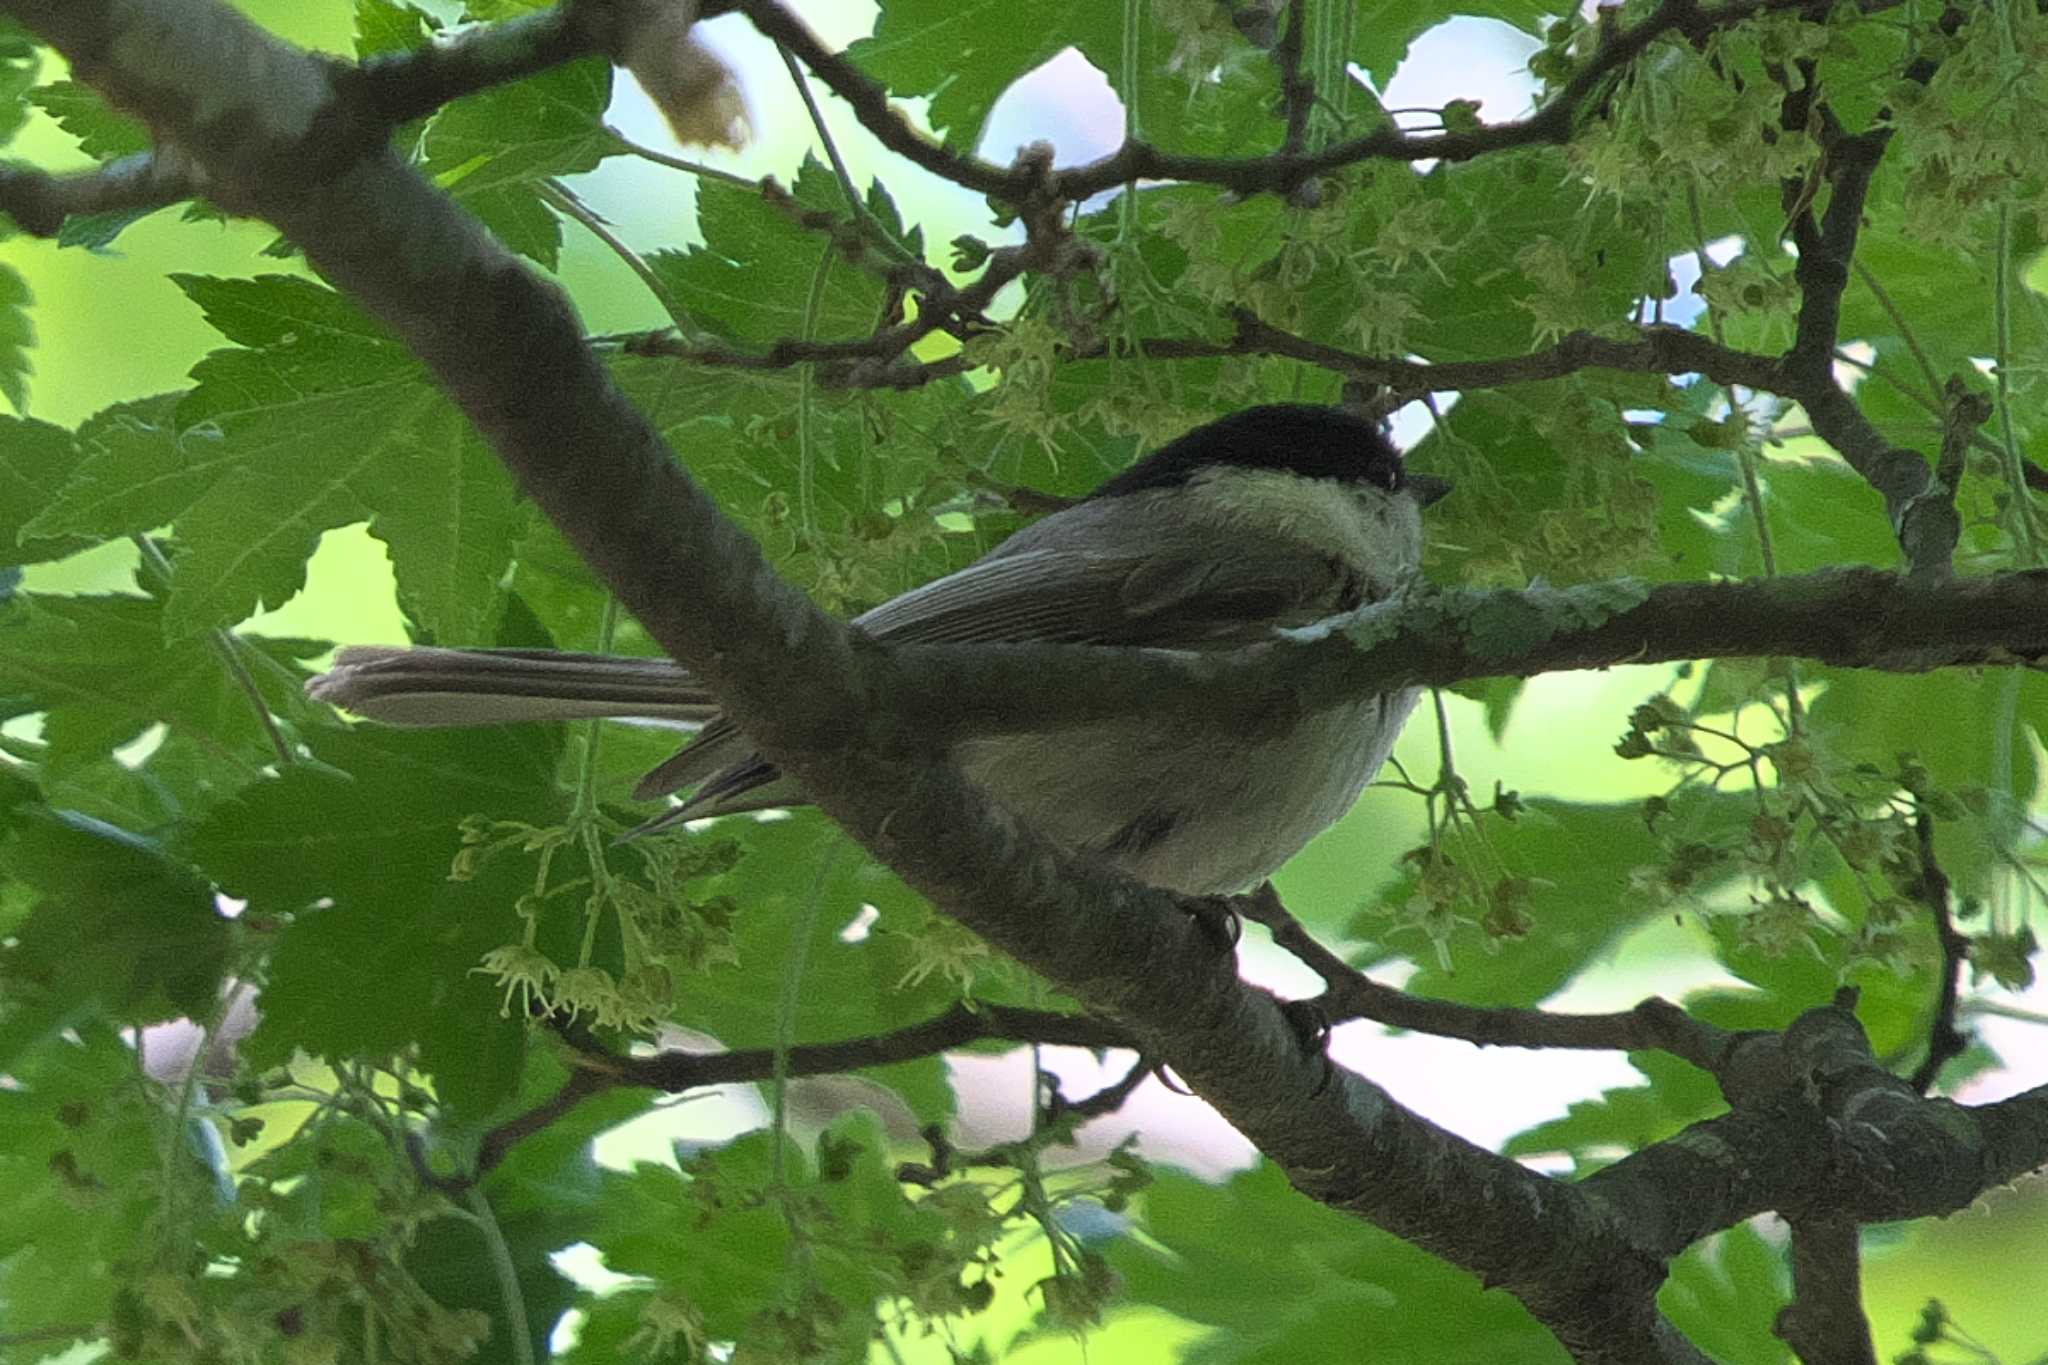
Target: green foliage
[(1280, 1279), (412, 898)]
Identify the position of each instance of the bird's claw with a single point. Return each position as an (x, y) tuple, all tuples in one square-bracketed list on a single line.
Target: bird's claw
[(1219, 917), (1311, 1029)]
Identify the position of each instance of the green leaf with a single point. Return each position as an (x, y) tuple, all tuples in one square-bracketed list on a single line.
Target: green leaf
[(79, 1181), (1383, 30), (17, 336), (751, 279), (1626, 1118), (492, 150), (319, 419), (134, 471), (799, 868), (1969, 730), (965, 53), (384, 26), (733, 1261), (119, 932), (99, 668), (35, 460), (1285, 1279), (372, 828), (1579, 860), (19, 62), (102, 133), (1724, 1295)]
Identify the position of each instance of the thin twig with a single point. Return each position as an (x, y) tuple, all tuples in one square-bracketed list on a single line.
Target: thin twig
[(225, 645), (41, 202), (558, 196), (1350, 994), (1944, 1040), (1275, 173), (1111, 1097), (1825, 1323), (1297, 92), (678, 163), (676, 1072)]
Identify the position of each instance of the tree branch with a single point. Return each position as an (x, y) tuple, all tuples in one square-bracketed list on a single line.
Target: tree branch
[(963, 1024), (1851, 618), (1818, 1128), (1351, 994), (1945, 1041), (40, 201), (397, 87), (1279, 173), (676, 1071), (1825, 1323)]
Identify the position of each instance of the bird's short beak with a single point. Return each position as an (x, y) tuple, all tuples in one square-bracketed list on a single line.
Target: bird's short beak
[(1427, 488)]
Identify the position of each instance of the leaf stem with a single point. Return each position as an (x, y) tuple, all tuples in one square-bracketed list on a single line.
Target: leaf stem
[(806, 385), (2015, 471), (677, 163), (508, 1274), (787, 1000), (555, 194), (224, 643)]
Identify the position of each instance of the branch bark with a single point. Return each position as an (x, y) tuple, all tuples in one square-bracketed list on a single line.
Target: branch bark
[(1852, 618)]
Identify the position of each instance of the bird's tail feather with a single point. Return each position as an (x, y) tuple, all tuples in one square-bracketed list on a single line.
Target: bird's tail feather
[(439, 687)]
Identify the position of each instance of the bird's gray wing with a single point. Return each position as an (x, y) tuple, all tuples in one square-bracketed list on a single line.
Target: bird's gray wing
[(1180, 593), (1185, 596)]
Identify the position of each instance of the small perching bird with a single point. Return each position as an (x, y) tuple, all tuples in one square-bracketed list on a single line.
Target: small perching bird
[(1270, 518)]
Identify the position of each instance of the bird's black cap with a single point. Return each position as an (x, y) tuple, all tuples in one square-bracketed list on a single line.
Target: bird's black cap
[(1295, 438)]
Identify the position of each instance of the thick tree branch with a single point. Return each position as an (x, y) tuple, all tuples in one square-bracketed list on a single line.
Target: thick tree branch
[(1819, 1128), (397, 87), (1851, 618)]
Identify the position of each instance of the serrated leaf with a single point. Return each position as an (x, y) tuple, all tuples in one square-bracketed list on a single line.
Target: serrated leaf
[(1383, 30), (18, 65), (492, 150), (964, 55), (119, 932), (79, 1177), (99, 669), (102, 133), (319, 419), (752, 277), (35, 460), (390, 963), (450, 537), (17, 337), (1286, 1279), (134, 472), (389, 26)]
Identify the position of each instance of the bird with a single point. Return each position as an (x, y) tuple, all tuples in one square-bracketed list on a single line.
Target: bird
[(1269, 518)]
